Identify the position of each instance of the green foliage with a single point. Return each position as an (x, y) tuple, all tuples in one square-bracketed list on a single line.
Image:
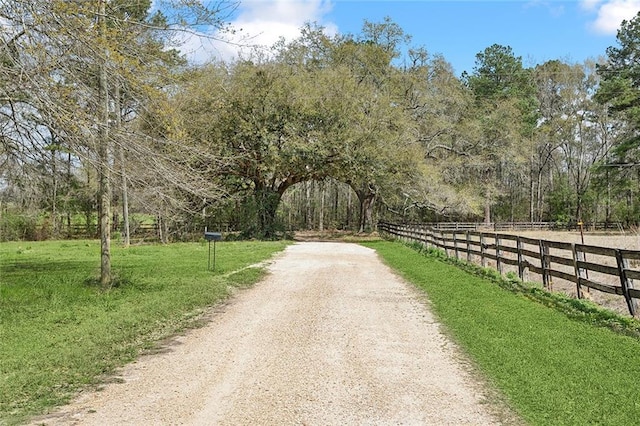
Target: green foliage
[(323, 107), (546, 357), (561, 202), (619, 90), (16, 226), (620, 86), (60, 333)]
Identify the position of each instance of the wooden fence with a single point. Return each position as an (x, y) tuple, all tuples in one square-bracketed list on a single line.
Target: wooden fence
[(524, 226), (606, 269)]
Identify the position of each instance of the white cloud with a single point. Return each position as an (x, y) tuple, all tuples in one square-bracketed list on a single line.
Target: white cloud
[(590, 5), (258, 23), (611, 13), (556, 9)]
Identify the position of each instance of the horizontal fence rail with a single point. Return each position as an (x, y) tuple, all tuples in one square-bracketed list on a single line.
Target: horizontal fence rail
[(522, 226), (609, 270)]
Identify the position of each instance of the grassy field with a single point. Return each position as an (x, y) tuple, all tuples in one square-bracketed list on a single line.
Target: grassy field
[(59, 332), (554, 368)]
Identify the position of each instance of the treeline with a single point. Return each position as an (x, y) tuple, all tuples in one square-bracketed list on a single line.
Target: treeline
[(101, 114)]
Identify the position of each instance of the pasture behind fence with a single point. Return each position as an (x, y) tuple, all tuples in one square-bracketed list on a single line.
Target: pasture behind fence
[(605, 269)]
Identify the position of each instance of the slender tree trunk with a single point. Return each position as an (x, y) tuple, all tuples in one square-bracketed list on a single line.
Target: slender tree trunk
[(608, 205), (349, 208), (487, 207), (123, 174), (54, 204), (321, 213), (104, 187), (539, 196), (159, 228), (336, 197), (309, 215), (531, 194), (68, 186), (125, 203)]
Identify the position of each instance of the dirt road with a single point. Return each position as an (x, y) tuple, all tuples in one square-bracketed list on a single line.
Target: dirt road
[(331, 337)]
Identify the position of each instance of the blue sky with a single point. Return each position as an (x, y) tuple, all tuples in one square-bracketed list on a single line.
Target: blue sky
[(537, 30)]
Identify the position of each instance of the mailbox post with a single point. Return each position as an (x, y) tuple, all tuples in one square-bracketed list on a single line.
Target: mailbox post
[(212, 236)]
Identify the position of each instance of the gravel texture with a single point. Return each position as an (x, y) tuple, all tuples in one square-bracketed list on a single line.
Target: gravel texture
[(330, 337)]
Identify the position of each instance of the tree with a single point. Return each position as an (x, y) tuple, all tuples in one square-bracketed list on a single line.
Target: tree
[(318, 108), (443, 113), (70, 56), (255, 118), (379, 155), (506, 107), (553, 83), (620, 85), (619, 91)]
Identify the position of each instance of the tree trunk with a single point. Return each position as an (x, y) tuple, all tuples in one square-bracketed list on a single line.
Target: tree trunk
[(309, 215), (267, 201), (487, 208), (366, 212), (160, 228), (579, 207), (104, 187), (348, 221), (539, 196), (54, 203), (68, 185), (123, 174), (321, 213), (608, 205), (367, 198)]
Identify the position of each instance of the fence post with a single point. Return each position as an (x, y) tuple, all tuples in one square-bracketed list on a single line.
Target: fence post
[(544, 264), (625, 282), (455, 244), (520, 259), (577, 270), (444, 243), (498, 241), (468, 247), (483, 251), (425, 237)]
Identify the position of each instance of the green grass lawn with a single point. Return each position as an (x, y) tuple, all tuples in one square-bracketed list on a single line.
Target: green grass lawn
[(59, 332), (553, 369)]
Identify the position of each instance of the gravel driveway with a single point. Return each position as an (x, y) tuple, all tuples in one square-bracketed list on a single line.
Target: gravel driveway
[(330, 337)]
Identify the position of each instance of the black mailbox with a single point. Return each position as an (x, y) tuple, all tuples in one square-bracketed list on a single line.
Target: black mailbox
[(212, 236)]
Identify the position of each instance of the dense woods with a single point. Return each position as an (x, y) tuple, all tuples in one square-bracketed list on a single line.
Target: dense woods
[(104, 125)]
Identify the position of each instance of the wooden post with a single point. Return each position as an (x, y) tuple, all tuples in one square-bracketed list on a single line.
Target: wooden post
[(425, 241), (444, 243), (577, 270), (483, 251), (544, 264), (498, 241), (625, 282), (455, 244), (520, 260), (468, 247)]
